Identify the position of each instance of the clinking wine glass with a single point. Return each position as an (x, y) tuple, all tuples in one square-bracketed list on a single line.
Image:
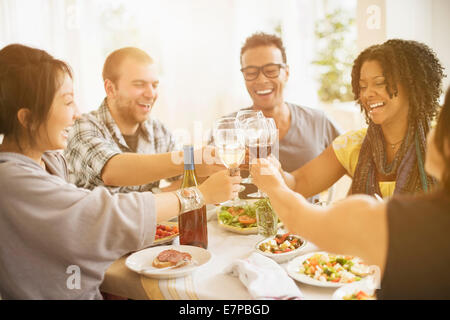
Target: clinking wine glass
[(263, 135), (230, 146), (242, 116)]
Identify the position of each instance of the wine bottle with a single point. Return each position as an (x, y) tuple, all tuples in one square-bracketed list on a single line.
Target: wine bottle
[(192, 224)]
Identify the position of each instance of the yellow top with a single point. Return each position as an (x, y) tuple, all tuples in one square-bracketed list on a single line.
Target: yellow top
[(347, 148)]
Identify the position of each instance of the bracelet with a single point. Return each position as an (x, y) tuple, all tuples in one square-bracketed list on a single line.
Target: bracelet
[(190, 199)]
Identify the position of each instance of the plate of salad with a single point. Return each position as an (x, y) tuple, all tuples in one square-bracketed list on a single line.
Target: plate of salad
[(240, 219), (328, 270)]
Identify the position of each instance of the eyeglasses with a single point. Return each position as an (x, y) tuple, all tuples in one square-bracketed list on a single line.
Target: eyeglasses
[(270, 70)]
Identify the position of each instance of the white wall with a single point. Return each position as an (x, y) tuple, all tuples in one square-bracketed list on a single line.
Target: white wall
[(426, 21)]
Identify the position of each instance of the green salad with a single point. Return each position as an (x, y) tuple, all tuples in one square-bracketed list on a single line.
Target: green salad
[(242, 216)]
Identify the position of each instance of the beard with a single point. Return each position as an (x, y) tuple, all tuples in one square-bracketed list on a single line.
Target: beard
[(128, 111)]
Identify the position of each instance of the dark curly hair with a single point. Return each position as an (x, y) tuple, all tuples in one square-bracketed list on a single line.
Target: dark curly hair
[(412, 64), (442, 138), (29, 78), (261, 39)]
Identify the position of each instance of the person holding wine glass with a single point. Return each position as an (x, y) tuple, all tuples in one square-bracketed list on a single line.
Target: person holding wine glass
[(120, 145), (397, 85), (50, 224), (407, 236), (303, 132)]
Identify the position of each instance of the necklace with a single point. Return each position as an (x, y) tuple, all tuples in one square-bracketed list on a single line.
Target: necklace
[(393, 145)]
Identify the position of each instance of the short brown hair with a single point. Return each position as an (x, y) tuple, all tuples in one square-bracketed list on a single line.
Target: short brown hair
[(442, 137), (29, 78), (261, 39), (115, 59)]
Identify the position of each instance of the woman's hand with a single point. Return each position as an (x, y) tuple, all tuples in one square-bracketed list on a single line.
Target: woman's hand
[(275, 162), (220, 187), (265, 175)]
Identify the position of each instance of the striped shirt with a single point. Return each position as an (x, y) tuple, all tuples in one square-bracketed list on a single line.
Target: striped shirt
[(95, 138)]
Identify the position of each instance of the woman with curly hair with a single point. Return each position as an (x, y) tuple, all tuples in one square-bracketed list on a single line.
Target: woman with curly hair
[(397, 84), (407, 236)]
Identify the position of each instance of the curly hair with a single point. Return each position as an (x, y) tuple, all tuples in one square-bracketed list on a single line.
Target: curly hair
[(412, 64), (261, 39), (442, 138)]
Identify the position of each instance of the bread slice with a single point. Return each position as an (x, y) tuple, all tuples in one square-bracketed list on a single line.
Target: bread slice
[(172, 258), (160, 264)]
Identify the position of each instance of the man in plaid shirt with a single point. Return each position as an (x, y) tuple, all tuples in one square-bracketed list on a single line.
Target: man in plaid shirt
[(118, 145)]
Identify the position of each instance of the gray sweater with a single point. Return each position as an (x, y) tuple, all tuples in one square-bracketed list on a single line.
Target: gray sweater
[(57, 240)]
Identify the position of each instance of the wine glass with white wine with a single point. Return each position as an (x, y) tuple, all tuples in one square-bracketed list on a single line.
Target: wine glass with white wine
[(230, 146)]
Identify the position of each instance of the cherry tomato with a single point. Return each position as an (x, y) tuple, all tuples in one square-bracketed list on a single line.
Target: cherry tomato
[(244, 219)]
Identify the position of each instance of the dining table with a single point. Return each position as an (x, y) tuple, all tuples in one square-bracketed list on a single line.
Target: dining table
[(210, 281)]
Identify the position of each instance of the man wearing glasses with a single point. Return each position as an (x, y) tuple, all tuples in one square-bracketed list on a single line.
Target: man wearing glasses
[(303, 132)]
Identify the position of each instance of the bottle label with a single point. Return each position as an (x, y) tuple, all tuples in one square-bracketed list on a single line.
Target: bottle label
[(188, 157)]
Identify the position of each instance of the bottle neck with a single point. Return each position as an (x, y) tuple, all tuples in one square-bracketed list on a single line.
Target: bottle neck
[(189, 179), (188, 157)]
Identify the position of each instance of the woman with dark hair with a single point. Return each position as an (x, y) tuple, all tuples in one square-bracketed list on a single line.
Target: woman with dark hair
[(49, 227), (397, 84), (407, 237)]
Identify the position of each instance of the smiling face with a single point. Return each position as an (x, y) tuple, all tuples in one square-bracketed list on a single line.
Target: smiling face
[(52, 135), (266, 93), (375, 99), (135, 91)]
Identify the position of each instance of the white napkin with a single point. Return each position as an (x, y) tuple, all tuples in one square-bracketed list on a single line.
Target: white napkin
[(264, 278)]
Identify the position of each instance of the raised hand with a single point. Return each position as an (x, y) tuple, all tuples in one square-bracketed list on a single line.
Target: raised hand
[(265, 175), (220, 187)]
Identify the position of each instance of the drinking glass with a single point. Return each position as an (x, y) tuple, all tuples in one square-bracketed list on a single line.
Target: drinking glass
[(262, 136), (267, 221), (257, 136), (241, 117), (230, 146)]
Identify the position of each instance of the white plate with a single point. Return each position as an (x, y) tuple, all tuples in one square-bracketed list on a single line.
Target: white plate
[(252, 230), (294, 265), (141, 261)]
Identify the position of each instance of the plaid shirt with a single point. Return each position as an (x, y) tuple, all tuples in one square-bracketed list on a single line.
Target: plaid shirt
[(95, 138)]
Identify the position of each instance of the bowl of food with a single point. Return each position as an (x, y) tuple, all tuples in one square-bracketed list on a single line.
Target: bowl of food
[(281, 247)]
